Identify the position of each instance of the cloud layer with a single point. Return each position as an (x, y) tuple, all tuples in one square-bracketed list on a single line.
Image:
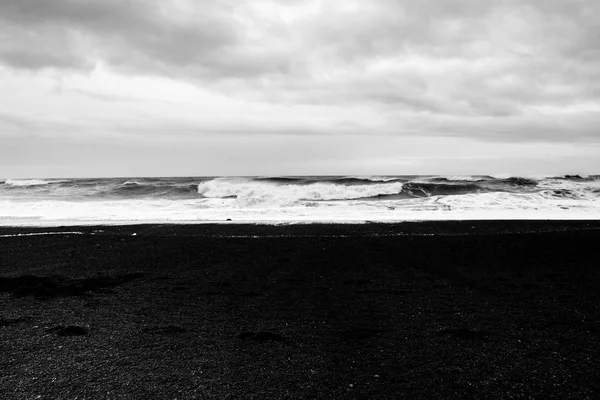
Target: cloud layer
[(496, 70), (464, 57)]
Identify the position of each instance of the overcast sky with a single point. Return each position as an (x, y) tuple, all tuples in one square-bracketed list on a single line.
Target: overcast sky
[(236, 87)]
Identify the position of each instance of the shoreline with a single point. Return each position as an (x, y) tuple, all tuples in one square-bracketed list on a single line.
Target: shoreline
[(404, 228), (505, 215)]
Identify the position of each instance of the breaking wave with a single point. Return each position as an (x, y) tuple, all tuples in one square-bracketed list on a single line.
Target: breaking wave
[(461, 178), (419, 189), (342, 180), (255, 192), (29, 182), (299, 198)]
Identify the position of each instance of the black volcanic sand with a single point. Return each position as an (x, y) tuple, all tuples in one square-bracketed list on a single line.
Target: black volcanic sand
[(432, 310)]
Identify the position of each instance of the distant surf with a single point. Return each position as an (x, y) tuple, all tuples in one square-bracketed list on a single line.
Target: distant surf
[(296, 199)]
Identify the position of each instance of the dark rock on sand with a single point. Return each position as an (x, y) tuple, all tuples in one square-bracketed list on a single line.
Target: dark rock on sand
[(58, 285), (11, 321)]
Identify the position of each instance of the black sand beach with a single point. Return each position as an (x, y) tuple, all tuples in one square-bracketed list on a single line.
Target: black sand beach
[(428, 310)]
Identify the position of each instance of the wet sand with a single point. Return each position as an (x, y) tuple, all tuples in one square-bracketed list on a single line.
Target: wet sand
[(503, 310)]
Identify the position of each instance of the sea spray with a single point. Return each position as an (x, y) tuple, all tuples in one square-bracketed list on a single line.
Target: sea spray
[(295, 199)]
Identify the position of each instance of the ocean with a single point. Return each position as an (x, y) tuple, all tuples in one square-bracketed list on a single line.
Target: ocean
[(295, 199)]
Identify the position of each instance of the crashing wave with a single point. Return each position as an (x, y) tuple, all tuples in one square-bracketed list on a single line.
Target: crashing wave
[(520, 181), (307, 199), (348, 180), (255, 192), (461, 178), (421, 189), (29, 182)]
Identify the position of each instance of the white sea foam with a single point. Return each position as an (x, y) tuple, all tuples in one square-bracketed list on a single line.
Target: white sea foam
[(466, 178), (376, 178), (249, 193), (29, 182), (470, 206), (290, 201), (41, 234)]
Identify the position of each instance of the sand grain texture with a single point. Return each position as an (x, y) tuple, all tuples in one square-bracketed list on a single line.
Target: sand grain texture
[(501, 310)]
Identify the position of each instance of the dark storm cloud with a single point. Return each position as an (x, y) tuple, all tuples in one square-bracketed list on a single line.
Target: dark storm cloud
[(159, 37), (132, 34), (470, 58)]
